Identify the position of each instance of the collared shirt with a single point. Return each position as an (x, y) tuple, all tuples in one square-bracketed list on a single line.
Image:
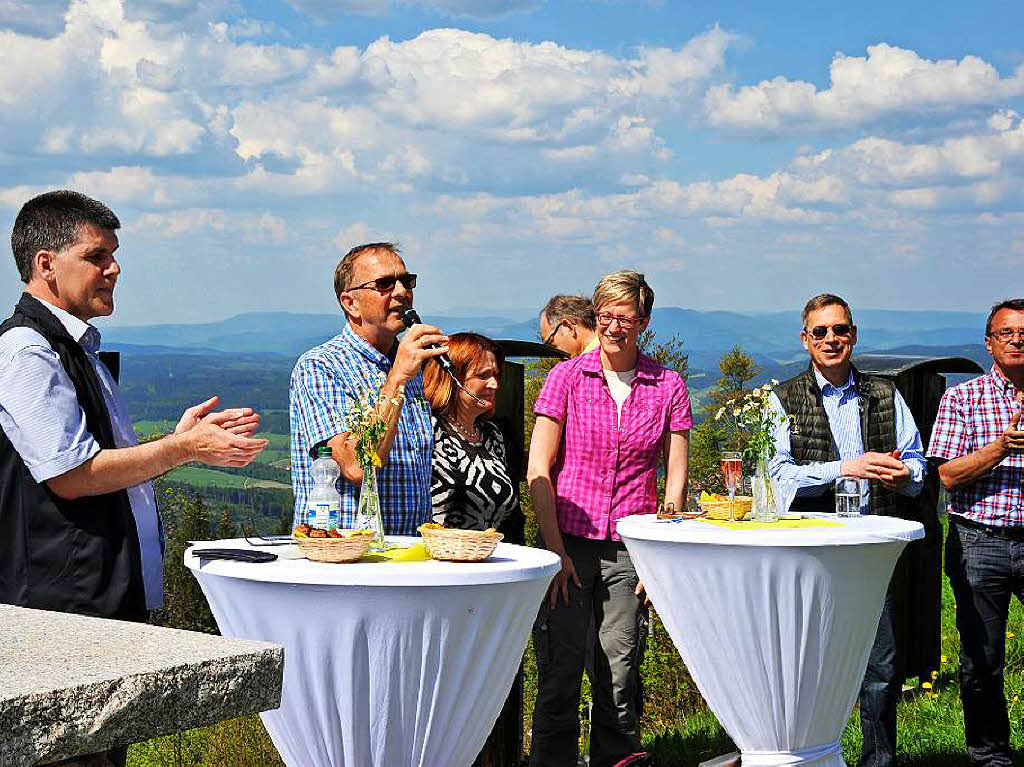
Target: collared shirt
[(842, 407), (325, 382), (40, 414), (608, 468), (971, 415)]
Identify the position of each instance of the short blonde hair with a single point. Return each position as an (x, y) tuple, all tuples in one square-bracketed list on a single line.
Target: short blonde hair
[(625, 286)]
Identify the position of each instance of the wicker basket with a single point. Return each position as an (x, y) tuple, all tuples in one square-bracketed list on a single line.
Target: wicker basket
[(454, 545), (335, 550), (720, 509)]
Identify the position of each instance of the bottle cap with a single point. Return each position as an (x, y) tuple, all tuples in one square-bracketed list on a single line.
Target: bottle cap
[(324, 451)]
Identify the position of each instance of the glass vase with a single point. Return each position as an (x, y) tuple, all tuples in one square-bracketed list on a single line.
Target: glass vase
[(368, 512), (765, 508)]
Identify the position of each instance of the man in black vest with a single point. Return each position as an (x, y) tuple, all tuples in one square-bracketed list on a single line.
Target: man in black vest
[(849, 424), (79, 529)]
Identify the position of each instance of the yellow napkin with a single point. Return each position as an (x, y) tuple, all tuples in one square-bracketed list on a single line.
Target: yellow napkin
[(782, 523), (415, 553)]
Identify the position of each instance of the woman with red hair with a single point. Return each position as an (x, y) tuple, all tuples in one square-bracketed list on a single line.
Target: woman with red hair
[(471, 485)]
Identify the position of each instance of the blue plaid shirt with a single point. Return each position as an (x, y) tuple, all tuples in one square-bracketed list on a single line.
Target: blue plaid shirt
[(324, 380)]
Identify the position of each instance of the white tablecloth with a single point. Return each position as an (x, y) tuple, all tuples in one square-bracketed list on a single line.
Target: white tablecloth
[(775, 626), (388, 664)]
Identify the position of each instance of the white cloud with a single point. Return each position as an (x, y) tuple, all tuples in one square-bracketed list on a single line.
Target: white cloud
[(262, 227), (888, 81)]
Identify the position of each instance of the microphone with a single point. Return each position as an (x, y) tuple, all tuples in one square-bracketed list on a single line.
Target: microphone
[(409, 318)]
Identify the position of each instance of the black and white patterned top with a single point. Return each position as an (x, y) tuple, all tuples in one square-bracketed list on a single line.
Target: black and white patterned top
[(470, 486)]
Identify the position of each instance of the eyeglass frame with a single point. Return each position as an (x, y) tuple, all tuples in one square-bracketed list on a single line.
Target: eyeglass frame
[(404, 278), (551, 336), (1014, 334), (626, 323), (850, 329)]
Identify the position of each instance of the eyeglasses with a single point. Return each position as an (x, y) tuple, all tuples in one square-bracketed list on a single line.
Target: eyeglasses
[(839, 329), (551, 336), (626, 323), (1005, 335), (387, 284)]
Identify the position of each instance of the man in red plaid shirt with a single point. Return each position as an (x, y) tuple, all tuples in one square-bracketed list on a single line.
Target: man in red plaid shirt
[(978, 444)]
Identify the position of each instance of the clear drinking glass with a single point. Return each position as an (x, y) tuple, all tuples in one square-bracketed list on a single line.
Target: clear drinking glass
[(732, 476), (850, 496)]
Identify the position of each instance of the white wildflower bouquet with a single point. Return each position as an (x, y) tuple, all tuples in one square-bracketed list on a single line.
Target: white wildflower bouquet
[(367, 421), (752, 423)]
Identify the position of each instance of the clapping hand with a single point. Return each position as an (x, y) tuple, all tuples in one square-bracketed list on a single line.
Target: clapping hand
[(239, 420), (221, 438)]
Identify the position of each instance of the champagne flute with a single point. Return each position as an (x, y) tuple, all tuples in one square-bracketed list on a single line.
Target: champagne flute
[(732, 475)]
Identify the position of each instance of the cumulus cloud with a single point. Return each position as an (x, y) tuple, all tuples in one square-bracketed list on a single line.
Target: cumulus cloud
[(888, 81), (264, 227), (173, 85)]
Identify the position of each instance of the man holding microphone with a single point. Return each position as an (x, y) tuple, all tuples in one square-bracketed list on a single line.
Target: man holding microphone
[(366, 359)]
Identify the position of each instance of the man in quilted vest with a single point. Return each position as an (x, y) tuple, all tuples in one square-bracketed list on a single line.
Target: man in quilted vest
[(849, 424)]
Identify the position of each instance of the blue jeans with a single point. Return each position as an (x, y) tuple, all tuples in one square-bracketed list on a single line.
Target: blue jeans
[(984, 571), (880, 693)]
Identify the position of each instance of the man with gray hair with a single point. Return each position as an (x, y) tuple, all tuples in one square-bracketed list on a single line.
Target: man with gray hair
[(846, 423), (567, 323), (79, 528), (366, 360)]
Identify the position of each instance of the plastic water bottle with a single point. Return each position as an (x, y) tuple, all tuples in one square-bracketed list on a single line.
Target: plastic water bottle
[(324, 502)]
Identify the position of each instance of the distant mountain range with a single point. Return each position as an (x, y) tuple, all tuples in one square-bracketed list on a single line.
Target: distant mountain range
[(248, 359), (770, 337)]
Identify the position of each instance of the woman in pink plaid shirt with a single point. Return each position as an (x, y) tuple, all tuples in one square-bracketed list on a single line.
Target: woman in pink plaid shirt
[(616, 413)]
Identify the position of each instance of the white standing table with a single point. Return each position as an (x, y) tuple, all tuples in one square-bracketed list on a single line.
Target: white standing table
[(775, 625), (396, 664)]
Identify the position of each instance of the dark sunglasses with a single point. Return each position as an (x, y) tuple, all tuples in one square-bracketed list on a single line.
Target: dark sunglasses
[(387, 284), (839, 329)]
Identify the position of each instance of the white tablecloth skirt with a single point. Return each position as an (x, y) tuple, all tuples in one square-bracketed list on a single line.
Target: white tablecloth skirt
[(392, 676), (775, 636)]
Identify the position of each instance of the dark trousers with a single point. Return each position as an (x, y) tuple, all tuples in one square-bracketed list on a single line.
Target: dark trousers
[(984, 571), (880, 692), (608, 593)]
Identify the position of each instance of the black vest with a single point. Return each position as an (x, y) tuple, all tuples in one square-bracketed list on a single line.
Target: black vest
[(79, 556), (811, 438)]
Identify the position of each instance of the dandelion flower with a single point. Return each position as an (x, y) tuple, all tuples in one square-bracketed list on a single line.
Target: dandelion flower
[(945, 659), (926, 685), (1010, 635)]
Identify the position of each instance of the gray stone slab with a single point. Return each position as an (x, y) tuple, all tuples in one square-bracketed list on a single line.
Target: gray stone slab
[(73, 685)]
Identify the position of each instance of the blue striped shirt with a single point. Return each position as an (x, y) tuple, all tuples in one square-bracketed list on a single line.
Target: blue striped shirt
[(842, 407), (41, 416), (324, 382)]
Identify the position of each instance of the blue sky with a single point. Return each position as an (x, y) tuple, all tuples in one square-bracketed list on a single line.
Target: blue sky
[(743, 156)]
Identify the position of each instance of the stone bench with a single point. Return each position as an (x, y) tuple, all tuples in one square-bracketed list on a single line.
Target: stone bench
[(72, 685)]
